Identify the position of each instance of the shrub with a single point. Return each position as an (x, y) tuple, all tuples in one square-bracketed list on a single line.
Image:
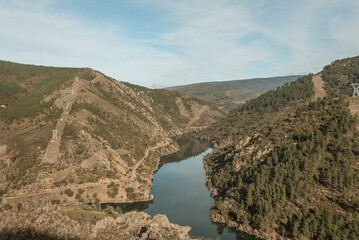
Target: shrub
[(19, 206), (112, 190), (7, 206), (119, 210), (69, 192), (79, 198), (53, 201), (81, 191)]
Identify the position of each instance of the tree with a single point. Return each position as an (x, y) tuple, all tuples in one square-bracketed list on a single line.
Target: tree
[(69, 192), (19, 206), (118, 209), (249, 199)]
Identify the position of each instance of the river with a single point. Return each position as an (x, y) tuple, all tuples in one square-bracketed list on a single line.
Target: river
[(181, 194)]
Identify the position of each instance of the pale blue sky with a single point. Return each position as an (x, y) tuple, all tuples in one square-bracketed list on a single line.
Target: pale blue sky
[(165, 42)]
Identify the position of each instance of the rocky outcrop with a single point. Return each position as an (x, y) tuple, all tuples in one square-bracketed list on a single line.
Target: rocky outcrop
[(139, 225), (132, 225)]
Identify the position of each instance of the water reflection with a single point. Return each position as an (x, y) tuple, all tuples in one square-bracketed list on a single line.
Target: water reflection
[(189, 146), (181, 194), (128, 207)]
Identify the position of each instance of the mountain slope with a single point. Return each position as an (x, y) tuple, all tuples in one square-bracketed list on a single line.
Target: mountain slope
[(232, 93), (110, 134), (286, 165)]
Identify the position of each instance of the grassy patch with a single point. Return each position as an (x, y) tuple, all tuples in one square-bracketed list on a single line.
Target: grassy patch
[(93, 216)]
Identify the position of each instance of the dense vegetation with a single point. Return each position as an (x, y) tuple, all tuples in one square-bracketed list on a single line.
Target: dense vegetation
[(262, 111), (288, 166), (305, 184), (340, 74), (23, 88), (285, 95), (9, 90)]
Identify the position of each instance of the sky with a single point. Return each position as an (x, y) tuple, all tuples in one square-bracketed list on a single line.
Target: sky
[(161, 43)]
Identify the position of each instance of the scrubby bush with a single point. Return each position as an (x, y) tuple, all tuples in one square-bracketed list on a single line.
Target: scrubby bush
[(112, 190), (69, 192)]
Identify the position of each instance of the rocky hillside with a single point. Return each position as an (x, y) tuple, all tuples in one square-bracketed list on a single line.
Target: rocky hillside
[(233, 93), (58, 224), (108, 139), (285, 165)]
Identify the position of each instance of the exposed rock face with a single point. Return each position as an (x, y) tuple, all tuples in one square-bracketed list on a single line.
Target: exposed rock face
[(3, 149), (132, 225), (142, 226)]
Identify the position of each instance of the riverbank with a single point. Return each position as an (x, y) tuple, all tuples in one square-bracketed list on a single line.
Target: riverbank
[(226, 207), (180, 192)]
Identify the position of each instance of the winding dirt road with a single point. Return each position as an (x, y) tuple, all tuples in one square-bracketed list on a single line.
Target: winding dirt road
[(87, 185), (144, 157)]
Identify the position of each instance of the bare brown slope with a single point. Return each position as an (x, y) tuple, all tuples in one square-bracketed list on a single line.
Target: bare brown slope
[(106, 130), (319, 91), (68, 98)]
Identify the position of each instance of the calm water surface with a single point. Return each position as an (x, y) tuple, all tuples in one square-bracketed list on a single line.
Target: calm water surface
[(180, 192)]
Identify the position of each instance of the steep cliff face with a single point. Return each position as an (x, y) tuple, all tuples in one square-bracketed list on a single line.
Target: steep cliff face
[(285, 165), (108, 135)]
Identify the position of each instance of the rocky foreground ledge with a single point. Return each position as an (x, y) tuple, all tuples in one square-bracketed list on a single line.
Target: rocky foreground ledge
[(86, 224)]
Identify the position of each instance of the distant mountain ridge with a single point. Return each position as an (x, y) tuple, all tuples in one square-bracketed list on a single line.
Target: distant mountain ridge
[(234, 92)]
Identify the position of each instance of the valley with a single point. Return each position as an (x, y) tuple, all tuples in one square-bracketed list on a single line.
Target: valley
[(179, 120), (110, 137), (283, 164)]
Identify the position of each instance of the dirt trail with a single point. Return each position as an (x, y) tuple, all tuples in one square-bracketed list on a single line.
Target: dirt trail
[(319, 91), (52, 191), (196, 117), (103, 183), (145, 156), (53, 148), (354, 105)]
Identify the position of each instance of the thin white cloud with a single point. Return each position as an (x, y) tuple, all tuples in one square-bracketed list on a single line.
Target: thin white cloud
[(310, 34), (208, 35), (34, 36), (205, 40)]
